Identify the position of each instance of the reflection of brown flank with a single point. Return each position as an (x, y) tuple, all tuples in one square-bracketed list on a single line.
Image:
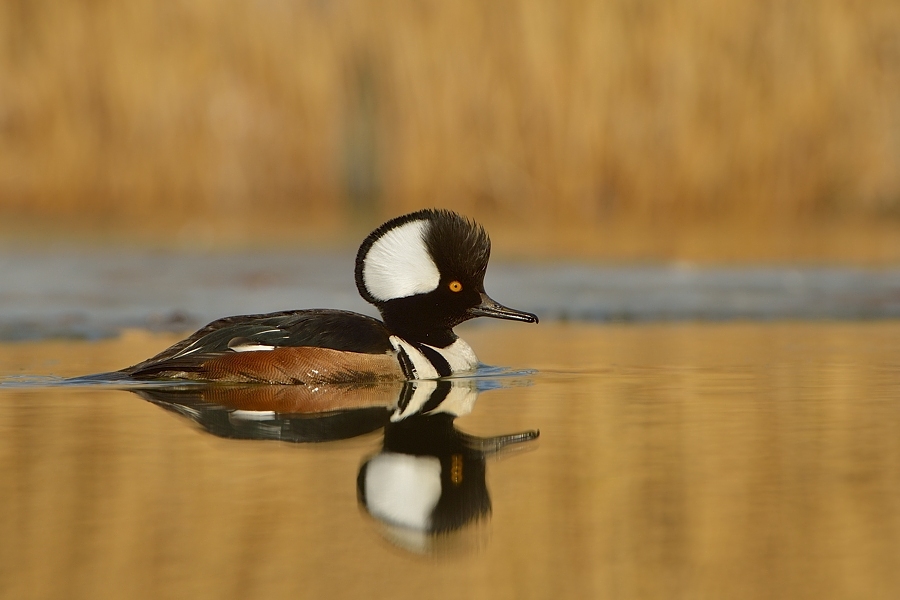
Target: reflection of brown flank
[(302, 399), (295, 365)]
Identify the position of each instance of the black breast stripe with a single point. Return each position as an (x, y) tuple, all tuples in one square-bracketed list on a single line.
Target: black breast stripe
[(439, 363), (406, 365)]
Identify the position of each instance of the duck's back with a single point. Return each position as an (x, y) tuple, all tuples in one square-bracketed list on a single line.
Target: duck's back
[(300, 346)]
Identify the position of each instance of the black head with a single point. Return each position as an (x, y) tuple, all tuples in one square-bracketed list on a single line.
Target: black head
[(425, 273)]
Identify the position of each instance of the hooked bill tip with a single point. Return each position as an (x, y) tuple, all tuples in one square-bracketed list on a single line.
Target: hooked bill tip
[(490, 308)]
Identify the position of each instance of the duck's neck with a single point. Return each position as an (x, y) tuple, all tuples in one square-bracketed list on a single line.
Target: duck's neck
[(438, 338), (410, 326)]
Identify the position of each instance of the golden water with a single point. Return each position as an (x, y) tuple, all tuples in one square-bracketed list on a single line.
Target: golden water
[(735, 460)]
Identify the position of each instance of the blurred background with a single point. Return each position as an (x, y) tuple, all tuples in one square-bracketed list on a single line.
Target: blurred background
[(700, 130), (167, 163)]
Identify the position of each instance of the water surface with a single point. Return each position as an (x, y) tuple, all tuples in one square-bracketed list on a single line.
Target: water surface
[(730, 460), (90, 293)]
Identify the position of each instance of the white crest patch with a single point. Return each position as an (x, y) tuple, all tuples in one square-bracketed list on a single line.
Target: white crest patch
[(398, 264), (403, 489)]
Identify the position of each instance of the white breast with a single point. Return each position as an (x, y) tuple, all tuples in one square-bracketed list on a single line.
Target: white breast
[(421, 365), (459, 355)]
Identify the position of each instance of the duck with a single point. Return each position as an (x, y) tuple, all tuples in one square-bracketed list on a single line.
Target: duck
[(423, 271)]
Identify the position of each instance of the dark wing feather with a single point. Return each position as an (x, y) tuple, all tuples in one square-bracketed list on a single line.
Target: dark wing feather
[(319, 328)]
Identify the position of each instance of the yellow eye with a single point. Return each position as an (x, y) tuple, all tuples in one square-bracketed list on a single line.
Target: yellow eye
[(455, 286)]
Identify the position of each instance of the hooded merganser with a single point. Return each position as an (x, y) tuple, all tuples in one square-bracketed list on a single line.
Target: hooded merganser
[(424, 271)]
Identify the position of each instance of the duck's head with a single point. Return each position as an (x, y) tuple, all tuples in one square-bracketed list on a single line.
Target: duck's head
[(425, 273)]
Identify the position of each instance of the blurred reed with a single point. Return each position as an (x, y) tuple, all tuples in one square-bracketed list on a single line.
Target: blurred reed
[(521, 112)]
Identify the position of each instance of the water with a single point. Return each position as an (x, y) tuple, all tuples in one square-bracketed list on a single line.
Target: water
[(687, 460), (80, 292)]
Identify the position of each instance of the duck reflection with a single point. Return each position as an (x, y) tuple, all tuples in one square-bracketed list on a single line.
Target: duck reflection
[(290, 413), (429, 477), (427, 480)]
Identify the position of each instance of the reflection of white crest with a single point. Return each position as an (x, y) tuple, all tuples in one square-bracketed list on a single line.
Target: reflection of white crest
[(399, 265), (403, 489), (459, 400)]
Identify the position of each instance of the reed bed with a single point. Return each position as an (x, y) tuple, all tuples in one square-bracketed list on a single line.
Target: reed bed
[(524, 112)]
